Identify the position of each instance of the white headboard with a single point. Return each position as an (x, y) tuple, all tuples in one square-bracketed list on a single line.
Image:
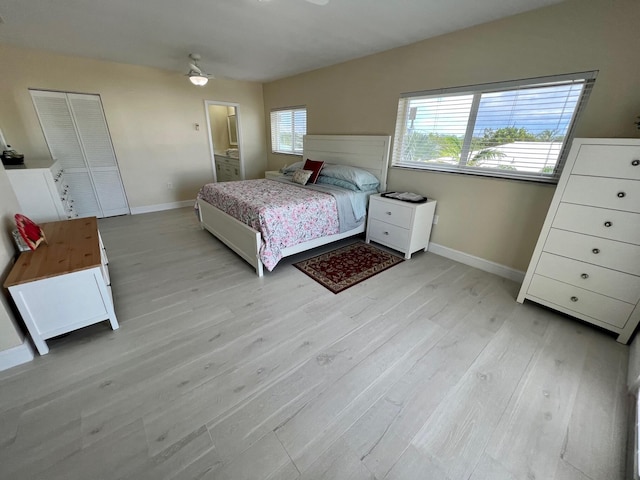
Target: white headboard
[(369, 152)]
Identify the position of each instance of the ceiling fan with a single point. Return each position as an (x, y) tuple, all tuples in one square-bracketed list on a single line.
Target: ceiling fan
[(196, 75)]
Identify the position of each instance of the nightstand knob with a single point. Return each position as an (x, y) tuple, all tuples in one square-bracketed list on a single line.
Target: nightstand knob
[(596, 251), (574, 299), (635, 163), (607, 224), (621, 194), (584, 276), (386, 233), (388, 213)]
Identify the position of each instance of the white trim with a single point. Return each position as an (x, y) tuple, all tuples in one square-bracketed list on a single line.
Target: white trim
[(12, 357), (477, 262), (162, 206)]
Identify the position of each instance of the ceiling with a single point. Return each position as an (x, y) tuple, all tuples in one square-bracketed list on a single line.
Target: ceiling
[(240, 39)]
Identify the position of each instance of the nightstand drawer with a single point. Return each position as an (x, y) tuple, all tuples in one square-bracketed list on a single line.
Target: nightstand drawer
[(599, 251), (390, 212), (601, 222), (388, 234), (601, 307), (602, 280)]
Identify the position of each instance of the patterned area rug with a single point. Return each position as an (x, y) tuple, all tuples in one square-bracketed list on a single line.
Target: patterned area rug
[(347, 266)]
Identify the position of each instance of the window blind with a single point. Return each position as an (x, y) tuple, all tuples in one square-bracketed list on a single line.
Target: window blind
[(288, 127), (516, 129)]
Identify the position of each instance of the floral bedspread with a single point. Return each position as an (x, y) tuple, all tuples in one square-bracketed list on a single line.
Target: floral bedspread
[(285, 215)]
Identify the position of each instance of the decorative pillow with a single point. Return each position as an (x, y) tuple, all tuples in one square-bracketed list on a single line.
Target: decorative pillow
[(315, 166), (361, 178), (301, 176)]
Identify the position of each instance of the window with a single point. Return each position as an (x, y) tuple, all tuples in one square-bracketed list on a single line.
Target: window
[(288, 127), (520, 129)]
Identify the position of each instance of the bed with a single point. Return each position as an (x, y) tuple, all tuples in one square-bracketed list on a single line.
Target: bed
[(367, 152)]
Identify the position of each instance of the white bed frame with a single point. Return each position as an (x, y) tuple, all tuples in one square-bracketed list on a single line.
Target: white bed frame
[(370, 152)]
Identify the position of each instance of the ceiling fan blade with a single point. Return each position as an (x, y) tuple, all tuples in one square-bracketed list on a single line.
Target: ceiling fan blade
[(319, 2)]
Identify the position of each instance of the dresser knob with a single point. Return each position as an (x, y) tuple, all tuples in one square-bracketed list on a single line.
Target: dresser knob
[(574, 299), (584, 276), (607, 224), (388, 213), (635, 163), (621, 194), (596, 251), (386, 233)]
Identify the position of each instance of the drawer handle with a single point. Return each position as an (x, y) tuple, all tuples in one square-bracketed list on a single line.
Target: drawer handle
[(596, 251), (621, 194), (635, 163), (388, 213), (574, 299), (608, 224), (386, 233), (584, 276)]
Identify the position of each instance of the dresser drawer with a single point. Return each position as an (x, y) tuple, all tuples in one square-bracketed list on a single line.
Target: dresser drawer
[(603, 192), (390, 212), (606, 309), (608, 161), (598, 251), (601, 222), (602, 280), (388, 234)]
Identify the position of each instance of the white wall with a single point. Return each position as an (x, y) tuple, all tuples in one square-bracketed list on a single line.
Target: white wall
[(10, 334)]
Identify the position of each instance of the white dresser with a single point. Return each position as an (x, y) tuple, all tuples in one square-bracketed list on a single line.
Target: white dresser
[(400, 225), (42, 193), (587, 260)]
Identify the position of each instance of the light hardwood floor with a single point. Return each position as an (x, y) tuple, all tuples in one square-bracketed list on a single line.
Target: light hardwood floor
[(430, 370)]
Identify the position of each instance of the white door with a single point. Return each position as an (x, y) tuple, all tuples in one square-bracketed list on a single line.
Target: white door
[(77, 135)]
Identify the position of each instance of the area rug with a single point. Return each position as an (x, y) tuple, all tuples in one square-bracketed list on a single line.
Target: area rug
[(347, 266)]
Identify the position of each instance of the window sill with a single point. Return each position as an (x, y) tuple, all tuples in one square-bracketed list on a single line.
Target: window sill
[(480, 173)]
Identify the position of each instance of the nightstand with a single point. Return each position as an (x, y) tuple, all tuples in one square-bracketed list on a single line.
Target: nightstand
[(403, 226), (272, 174)]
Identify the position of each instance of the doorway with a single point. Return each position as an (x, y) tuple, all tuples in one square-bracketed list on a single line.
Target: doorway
[(225, 140)]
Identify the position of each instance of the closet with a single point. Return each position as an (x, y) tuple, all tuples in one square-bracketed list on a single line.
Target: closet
[(77, 135)]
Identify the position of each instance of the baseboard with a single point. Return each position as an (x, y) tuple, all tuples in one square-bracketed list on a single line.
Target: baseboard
[(162, 206), (12, 357), (477, 262)]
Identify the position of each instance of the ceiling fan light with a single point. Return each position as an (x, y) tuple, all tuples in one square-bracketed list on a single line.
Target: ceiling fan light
[(198, 80)]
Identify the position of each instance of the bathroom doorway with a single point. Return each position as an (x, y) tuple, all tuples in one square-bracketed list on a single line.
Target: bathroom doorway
[(225, 140)]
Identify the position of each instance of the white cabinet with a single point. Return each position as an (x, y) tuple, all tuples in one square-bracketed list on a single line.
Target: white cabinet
[(43, 193), (227, 168), (587, 260), (400, 225), (63, 285)]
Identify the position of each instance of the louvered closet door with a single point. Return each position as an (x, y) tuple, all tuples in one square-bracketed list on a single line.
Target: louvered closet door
[(60, 133), (101, 159), (76, 132)]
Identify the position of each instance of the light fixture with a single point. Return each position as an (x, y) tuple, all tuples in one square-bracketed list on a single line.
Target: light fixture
[(195, 74), (198, 80)]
